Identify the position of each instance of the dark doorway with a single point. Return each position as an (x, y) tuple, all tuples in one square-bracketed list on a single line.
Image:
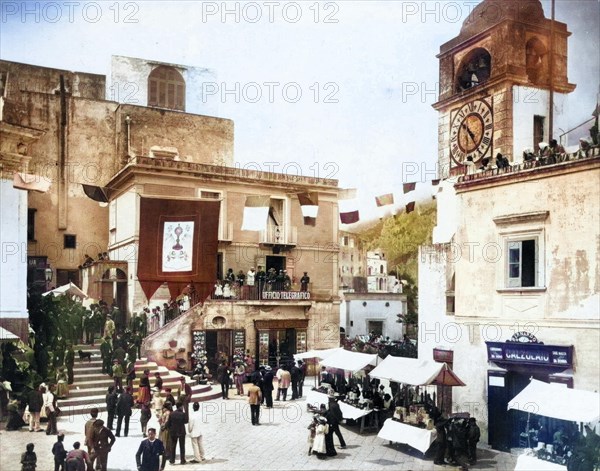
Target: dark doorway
[(218, 347), (538, 131), (278, 263), (505, 427), (219, 266)]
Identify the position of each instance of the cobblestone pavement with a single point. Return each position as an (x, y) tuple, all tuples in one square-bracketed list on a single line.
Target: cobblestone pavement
[(233, 443)]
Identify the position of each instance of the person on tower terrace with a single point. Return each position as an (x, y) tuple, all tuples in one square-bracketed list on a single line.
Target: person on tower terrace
[(304, 281), (470, 166)]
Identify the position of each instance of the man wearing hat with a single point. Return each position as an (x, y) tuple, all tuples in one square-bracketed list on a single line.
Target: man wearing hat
[(109, 329), (249, 287), (268, 386)]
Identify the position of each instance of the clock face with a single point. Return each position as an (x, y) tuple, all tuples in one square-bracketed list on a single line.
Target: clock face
[(471, 132)]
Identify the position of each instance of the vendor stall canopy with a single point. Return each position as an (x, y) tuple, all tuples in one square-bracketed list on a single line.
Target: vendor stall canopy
[(350, 361), (69, 289), (558, 401), (415, 372), (320, 354)]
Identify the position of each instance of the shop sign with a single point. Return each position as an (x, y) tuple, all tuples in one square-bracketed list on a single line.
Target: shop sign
[(289, 295), (530, 353)]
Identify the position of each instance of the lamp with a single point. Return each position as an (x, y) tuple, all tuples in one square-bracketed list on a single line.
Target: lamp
[(48, 274)]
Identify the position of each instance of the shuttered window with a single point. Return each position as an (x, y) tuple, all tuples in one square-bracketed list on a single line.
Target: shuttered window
[(166, 88)]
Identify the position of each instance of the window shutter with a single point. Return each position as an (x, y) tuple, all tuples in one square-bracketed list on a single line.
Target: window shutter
[(515, 252), (153, 93)]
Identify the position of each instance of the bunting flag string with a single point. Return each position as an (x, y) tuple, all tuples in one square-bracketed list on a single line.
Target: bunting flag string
[(256, 212), (406, 187), (410, 207), (350, 217), (384, 200), (309, 204), (25, 181)]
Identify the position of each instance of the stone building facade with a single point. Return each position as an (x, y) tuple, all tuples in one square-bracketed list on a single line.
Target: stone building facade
[(511, 286)]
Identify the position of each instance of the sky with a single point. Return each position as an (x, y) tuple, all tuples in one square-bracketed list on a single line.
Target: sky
[(366, 71)]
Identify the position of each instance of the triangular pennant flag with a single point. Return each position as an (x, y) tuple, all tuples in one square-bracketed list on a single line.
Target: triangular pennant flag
[(256, 212), (25, 181), (309, 204), (350, 217), (408, 187), (435, 182), (384, 200), (410, 207), (347, 194), (97, 193)]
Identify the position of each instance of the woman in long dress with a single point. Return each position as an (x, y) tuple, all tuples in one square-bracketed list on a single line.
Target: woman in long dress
[(164, 434), (144, 394), (62, 386), (321, 431)]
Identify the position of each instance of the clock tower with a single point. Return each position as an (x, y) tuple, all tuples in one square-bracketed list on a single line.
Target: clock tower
[(502, 79)]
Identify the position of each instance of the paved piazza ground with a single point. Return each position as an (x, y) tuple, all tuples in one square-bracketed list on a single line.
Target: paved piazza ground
[(232, 443)]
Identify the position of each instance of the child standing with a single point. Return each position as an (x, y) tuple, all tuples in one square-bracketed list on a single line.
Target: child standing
[(145, 415), (59, 452), (29, 458), (157, 403), (311, 434)]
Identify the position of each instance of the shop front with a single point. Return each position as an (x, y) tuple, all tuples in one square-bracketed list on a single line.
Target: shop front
[(519, 360), (277, 341)]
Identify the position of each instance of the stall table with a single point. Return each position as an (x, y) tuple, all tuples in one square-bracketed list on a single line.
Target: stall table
[(531, 463), (316, 398), (398, 432)]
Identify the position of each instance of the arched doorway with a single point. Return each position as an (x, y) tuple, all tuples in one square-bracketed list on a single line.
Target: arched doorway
[(114, 288)]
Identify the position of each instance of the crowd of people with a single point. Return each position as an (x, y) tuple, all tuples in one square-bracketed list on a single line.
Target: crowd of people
[(252, 284)]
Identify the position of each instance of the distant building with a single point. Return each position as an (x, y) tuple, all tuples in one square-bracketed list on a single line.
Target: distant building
[(371, 299)]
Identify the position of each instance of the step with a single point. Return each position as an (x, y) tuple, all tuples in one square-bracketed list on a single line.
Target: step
[(68, 409)]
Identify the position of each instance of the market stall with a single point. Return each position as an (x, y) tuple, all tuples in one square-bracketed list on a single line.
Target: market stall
[(555, 401), (412, 423)]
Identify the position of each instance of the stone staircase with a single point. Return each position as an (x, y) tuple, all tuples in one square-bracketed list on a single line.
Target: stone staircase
[(90, 384)]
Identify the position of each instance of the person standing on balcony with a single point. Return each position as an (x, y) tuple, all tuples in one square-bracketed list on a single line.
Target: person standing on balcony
[(304, 281), (229, 276), (249, 288), (261, 277)]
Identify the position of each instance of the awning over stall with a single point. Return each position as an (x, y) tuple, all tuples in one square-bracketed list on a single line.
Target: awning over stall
[(558, 402), (69, 289), (350, 361), (320, 354), (415, 372)]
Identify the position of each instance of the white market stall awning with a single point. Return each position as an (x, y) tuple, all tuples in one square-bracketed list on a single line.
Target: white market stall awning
[(350, 361), (558, 401), (320, 354), (7, 335), (69, 289), (416, 372)]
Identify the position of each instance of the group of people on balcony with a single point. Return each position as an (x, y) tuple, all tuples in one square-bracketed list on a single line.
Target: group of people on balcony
[(547, 154), (251, 285), (89, 261)]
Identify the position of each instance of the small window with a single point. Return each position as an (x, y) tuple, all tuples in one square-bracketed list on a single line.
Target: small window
[(70, 241), (166, 88), (31, 224), (211, 195), (345, 241), (522, 263)]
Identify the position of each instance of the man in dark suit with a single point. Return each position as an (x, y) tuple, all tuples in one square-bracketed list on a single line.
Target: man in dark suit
[(223, 378), (124, 406), (267, 387), (334, 418), (149, 452), (102, 441), (176, 425)]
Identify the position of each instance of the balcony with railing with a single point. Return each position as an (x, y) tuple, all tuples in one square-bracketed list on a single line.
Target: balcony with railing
[(284, 236), (282, 291), (535, 164)]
